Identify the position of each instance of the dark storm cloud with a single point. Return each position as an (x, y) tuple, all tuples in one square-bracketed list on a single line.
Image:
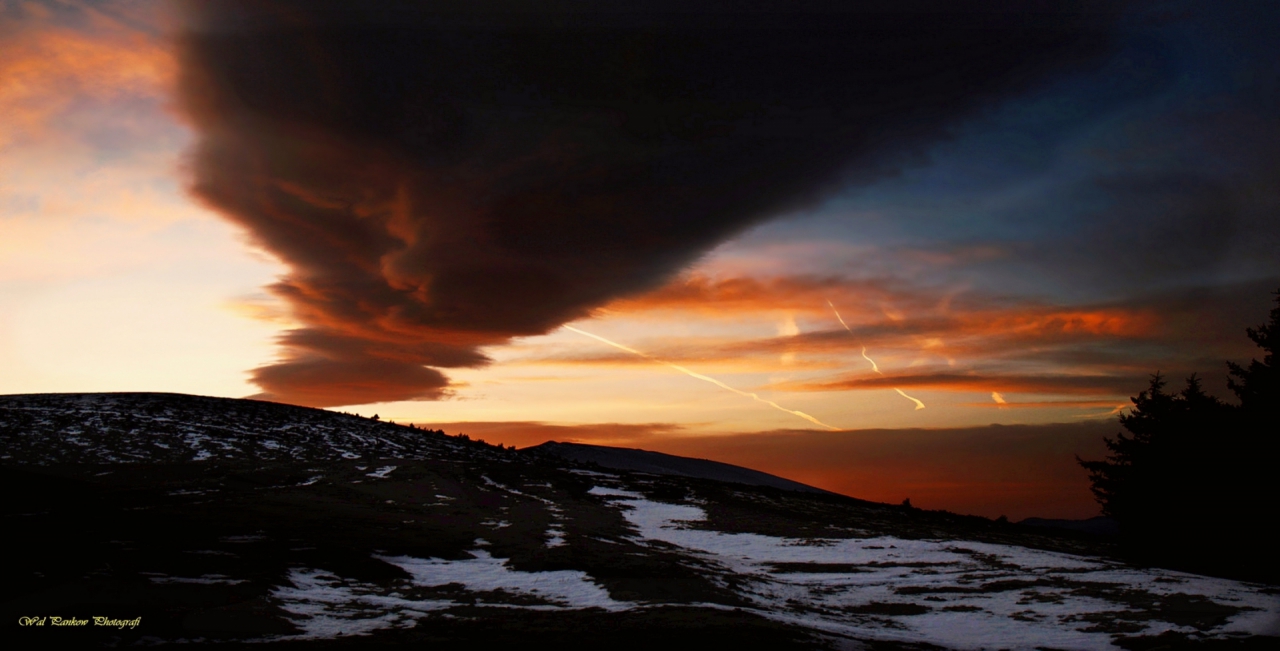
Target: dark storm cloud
[(1175, 227), (440, 178), (1178, 184), (1152, 172)]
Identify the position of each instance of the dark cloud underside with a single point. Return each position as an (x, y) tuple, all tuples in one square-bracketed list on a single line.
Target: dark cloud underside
[(443, 178)]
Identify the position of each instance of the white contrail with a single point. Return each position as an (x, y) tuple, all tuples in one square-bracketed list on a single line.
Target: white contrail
[(864, 355), (700, 376), (919, 405), (874, 367)]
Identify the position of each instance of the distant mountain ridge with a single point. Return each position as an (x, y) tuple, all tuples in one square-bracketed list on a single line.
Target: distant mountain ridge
[(658, 463), (1097, 525)]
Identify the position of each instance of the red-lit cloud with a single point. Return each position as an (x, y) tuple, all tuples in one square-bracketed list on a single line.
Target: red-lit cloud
[(712, 297), (941, 341), (974, 328)]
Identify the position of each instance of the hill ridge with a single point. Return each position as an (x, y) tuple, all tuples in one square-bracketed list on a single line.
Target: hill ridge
[(659, 463)]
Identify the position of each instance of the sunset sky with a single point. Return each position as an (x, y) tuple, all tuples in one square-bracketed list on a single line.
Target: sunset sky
[(1009, 219)]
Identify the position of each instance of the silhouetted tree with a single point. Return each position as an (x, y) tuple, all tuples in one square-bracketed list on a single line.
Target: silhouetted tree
[(1155, 476), (1258, 385), (1194, 483), (1257, 422)]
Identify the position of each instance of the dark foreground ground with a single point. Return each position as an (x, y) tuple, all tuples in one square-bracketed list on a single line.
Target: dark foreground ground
[(232, 522)]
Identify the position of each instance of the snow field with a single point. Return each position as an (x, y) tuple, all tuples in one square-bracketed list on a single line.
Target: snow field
[(958, 594)]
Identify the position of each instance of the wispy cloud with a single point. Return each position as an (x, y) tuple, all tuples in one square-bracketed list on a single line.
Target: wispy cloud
[(54, 58), (1056, 384)]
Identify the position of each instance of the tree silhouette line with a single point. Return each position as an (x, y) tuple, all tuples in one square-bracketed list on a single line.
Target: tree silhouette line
[(1195, 483)]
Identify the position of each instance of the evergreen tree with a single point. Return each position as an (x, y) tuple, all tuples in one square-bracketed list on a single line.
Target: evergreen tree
[(1157, 474), (1258, 385), (1193, 484), (1257, 425)]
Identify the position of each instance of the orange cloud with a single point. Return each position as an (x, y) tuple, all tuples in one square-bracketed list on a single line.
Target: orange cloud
[(1046, 323), (326, 382), (48, 67), (988, 344), (958, 339), (1049, 404), (709, 296), (720, 356), (884, 306)]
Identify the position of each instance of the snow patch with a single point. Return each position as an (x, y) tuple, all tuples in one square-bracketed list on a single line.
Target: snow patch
[(957, 594), (570, 589), (591, 473), (327, 606), (381, 473)]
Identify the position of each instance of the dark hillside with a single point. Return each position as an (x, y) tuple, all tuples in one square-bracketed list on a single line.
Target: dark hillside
[(182, 518)]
